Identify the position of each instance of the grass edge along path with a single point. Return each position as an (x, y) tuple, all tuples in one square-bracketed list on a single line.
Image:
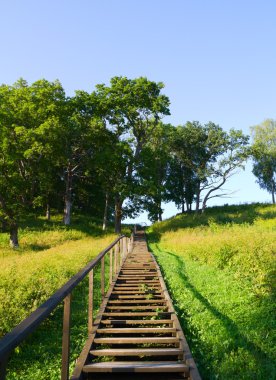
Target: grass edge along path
[(220, 270), (222, 345)]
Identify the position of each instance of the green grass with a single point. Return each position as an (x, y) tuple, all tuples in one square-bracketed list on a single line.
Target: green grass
[(49, 255), (220, 270)]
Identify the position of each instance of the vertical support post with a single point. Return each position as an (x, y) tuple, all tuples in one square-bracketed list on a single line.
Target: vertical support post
[(3, 367), (110, 266), (121, 252), (125, 247), (116, 258), (66, 338), (128, 245), (90, 301), (102, 277)]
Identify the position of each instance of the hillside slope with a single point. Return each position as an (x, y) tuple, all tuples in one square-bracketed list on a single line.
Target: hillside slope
[(220, 270)]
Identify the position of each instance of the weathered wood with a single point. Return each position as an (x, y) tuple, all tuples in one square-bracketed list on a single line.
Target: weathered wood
[(137, 296), (137, 352), (66, 338), (135, 314), (110, 267), (131, 307), (139, 367), (132, 340), (137, 321), (131, 301), (102, 278), (90, 301), (137, 330)]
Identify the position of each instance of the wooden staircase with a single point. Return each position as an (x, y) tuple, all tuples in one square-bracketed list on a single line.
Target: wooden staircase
[(137, 331)]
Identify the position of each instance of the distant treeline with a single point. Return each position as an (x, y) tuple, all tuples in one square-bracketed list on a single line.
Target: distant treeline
[(106, 153)]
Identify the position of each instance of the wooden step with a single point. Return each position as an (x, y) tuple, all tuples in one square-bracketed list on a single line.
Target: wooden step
[(130, 307), (132, 301), (137, 352), (135, 314), (137, 321), (138, 330), (138, 366), (134, 340), (137, 292), (135, 297)]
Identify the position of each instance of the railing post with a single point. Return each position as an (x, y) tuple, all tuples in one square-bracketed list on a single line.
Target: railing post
[(116, 258), (90, 301), (66, 338), (102, 277), (110, 266), (3, 367)]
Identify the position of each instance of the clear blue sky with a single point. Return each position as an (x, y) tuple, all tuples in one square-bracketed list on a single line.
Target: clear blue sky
[(217, 58)]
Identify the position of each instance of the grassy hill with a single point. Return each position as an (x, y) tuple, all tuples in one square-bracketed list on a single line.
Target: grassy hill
[(220, 270), (49, 254)]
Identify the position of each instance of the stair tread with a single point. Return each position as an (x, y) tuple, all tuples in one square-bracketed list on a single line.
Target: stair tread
[(137, 352), (132, 340), (137, 366), (137, 330), (136, 321)]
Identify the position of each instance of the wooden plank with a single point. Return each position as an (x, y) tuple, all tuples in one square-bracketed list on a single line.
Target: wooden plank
[(136, 352), (148, 307), (134, 297), (102, 278), (137, 330), (90, 301), (134, 340), (138, 366), (135, 314), (137, 321), (131, 301), (66, 338), (138, 292)]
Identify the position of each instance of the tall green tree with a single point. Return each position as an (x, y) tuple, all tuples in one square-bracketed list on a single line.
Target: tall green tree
[(24, 111), (153, 170), (264, 155), (205, 156), (131, 108)]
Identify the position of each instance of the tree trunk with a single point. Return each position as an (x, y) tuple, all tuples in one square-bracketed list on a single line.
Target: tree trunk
[(68, 198), (14, 235), (273, 193), (160, 216), (182, 206), (197, 201), (197, 197), (4, 225), (118, 215), (48, 212), (105, 211)]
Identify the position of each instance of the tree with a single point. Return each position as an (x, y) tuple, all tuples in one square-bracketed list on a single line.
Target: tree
[(264, 155), (204, 156), (153, 170), (24, 111), (235, 153), (132, 109)]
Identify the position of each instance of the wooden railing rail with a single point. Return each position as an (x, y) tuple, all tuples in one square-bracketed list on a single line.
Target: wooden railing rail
[(117, 251)]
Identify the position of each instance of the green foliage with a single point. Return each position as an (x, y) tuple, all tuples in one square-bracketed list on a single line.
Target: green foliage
[(264, 155), (50, 253), (220, 270)]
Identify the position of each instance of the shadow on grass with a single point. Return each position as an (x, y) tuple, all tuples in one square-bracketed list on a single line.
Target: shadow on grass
[(200, 348)]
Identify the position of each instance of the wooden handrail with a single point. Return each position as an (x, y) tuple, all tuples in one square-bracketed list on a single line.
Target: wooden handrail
[(11, 340)]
